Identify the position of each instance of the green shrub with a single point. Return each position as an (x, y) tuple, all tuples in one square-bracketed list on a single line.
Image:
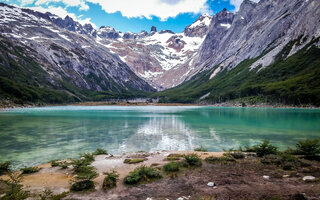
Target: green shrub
[(201, 149), (86, 173), (5, 167), (308, 148), (87, 157), (30, 170), (110, 181), (63, 165), (77, 164), (82, 185), (222, 159), (142, 174), (15, 191), (265, 148), (54, 163), (100, 151), (193, 160), (133, 161), (171, 167)]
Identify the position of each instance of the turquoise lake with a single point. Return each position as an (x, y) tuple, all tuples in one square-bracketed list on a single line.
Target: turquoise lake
[(36, 135)]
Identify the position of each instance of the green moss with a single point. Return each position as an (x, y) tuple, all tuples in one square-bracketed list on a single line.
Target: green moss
[(30, 170), (133, 161), (222, 159)]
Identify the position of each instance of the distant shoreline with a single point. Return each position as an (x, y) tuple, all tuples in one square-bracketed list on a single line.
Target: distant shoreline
[(104, 103)]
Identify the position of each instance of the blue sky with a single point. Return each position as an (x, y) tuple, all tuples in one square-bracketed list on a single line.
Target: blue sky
[(132, 15)]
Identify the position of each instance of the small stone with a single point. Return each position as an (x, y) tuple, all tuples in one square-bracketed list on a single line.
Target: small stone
[(285, 176), (211, 184), (148, 198), (309, 178), (266, 177), (180, 198)]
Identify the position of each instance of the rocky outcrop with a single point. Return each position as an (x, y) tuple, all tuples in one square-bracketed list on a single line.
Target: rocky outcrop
[(199, 28)]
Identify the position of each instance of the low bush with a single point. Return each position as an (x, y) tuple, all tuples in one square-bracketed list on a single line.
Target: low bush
[(110, 181), (172, 158), (82, 185), (308, 148), (86, 173), (87, 157), (222, 159), (142, 174), (284, 160), (201, 149), (5, 167), (100, 151), (30, 170), (193, 160), (237, 155), (15, 191), (265, 148), (54, 163), (175, 155), (133, 161), (171, 167)]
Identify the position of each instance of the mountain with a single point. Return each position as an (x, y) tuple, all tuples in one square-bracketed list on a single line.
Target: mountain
[(266, 52), (160, 56), (42, 55)]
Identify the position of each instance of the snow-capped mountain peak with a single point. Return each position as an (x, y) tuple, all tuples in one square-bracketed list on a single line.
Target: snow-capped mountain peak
[(200, 27)]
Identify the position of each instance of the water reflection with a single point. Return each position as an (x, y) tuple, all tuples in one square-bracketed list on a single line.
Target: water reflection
[(31, 136)]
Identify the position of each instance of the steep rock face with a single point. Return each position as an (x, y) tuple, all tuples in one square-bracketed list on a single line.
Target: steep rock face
[(257, 27), (199, 28), (66, 57), (108, 32)]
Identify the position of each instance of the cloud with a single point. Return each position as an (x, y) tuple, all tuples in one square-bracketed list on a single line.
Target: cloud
[(163, 9), (149, 8), (61, 12), (237, 3)]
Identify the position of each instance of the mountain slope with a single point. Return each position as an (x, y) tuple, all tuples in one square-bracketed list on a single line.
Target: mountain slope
[(294, 80), (60, 59), (267, 51)]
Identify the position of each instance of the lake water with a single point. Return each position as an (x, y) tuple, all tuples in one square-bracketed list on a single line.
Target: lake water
[(36, 135)]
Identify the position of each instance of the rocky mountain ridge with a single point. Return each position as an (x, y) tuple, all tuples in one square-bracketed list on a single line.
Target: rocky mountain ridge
[(68, 61)]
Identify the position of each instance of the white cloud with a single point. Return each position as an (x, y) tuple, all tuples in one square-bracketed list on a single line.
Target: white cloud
[(237, 3), (138, 8), (61, 12), (148, 8)]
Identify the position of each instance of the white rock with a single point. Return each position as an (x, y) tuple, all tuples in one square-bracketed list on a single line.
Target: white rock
[(211, 184), (308, 178), (266, 177), (148, 198), (285, 176)]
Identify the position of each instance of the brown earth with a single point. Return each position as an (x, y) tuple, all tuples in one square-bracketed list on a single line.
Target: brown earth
[(242, 179)]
